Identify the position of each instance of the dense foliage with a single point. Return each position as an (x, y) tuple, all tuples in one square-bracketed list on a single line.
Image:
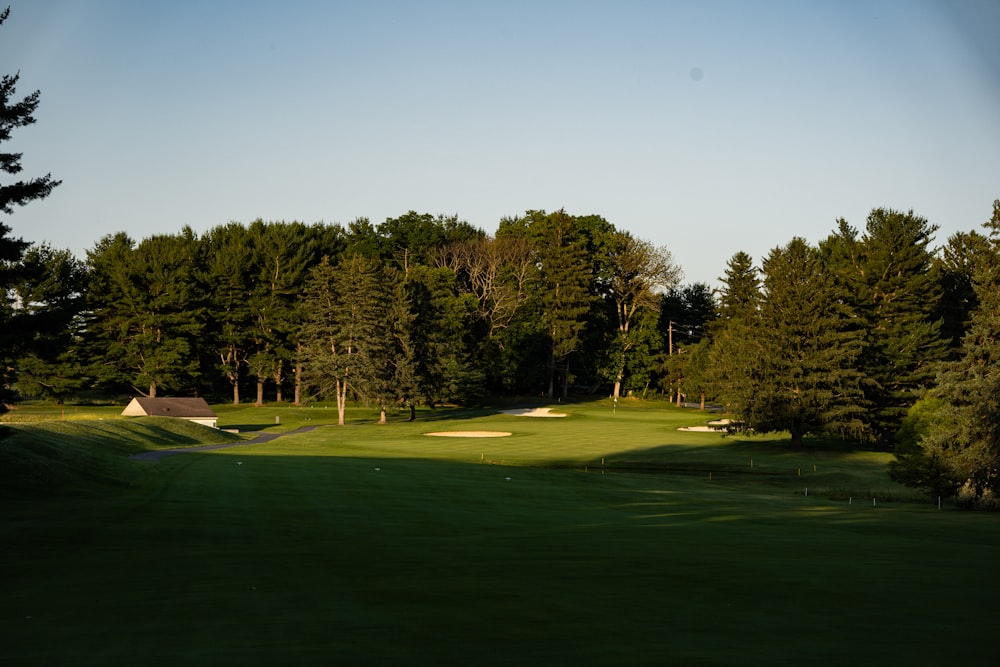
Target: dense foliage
[(16, 317), (876, 337)]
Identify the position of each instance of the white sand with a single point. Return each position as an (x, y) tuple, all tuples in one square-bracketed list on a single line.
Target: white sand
[(470, 434), (713, 426), (534, 412)]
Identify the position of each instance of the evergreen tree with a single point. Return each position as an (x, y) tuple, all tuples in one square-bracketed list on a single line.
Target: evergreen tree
[(416, 238), (438, 326), (961, 448), (955, 267), (50, 294), (805, 378), (344, 334), (14, 114), (282, 255), (227, 271), (735, 348), (740, 294), (888, 275), (146, 312), (563, 289), (685, 315)]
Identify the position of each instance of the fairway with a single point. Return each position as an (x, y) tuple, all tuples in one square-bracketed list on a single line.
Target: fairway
[(603, 538)]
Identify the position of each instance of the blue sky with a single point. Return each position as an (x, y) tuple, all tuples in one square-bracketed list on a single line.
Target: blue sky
[(706, 127)]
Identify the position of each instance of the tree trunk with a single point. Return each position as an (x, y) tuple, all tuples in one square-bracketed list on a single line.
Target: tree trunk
[(618, 388), (260, 392), (552, 374), (565, 387), (236, 392), (298, 377), (278, 378), (341, 401), (381, 414), (796, 441), (152, 390)]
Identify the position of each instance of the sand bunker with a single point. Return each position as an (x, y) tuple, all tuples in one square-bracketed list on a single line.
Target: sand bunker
[(713, 426), (534, 412), (470, 434)]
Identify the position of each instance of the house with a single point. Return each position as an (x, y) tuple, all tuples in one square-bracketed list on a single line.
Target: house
[(192, 409)]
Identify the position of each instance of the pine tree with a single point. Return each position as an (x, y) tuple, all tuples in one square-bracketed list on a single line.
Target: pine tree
[(50, 291), (146, 312), (805, 379), (281, 256), (344, 335), (740, 294), (955, 268), (735, 349), (14, 114), (564, 287), (887, 275), (226, 269), (961, 449)]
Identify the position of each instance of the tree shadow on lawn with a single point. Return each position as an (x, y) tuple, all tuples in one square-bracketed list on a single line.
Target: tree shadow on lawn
[(250, 556)]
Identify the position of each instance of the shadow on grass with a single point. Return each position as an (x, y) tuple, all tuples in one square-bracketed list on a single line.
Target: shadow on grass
[(261, 558)]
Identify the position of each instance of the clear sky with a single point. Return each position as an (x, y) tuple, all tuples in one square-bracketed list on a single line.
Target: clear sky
[(707, 127)]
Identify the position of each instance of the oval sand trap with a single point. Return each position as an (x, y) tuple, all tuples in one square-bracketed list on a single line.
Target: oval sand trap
[(534, 412), (470, 434)]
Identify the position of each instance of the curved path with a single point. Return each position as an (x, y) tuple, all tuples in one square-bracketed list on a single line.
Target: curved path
[(260, 438)]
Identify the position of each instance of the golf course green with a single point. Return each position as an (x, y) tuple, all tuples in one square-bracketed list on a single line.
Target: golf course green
[(606, 537)]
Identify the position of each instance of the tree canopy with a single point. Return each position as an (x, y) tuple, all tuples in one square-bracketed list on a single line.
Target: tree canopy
[(14, 114)]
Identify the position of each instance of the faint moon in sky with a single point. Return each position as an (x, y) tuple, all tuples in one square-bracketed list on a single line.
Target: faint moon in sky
[(697, 74)]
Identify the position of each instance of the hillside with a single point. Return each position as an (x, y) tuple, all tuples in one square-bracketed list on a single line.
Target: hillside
[(87, 456)]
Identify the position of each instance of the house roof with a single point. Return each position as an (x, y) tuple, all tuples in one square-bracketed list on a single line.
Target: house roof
[(168, 407)]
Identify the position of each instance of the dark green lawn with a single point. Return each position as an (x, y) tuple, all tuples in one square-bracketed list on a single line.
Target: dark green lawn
[(379, 545)]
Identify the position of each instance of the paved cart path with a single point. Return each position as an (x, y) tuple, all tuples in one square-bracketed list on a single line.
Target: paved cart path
[(260, 438)]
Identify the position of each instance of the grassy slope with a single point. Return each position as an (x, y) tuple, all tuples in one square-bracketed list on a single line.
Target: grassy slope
[(86, 456), (379, 545)]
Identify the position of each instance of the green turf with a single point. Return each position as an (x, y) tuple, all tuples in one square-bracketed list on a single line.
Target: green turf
[(379, 545)]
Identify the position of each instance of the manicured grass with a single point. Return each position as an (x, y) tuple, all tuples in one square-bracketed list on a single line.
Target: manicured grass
[(380, 545)]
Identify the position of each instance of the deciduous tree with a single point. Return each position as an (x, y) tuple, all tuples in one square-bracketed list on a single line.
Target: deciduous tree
[(640, 272)]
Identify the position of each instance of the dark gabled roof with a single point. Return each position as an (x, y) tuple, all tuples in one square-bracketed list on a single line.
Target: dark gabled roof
[(169, 407)]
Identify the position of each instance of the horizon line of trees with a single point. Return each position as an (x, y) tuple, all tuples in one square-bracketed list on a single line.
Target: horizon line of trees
[(239, 309), (874, 336)]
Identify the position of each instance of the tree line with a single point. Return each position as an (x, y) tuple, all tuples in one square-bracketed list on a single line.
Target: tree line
[(874, 335), (419, 308)]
